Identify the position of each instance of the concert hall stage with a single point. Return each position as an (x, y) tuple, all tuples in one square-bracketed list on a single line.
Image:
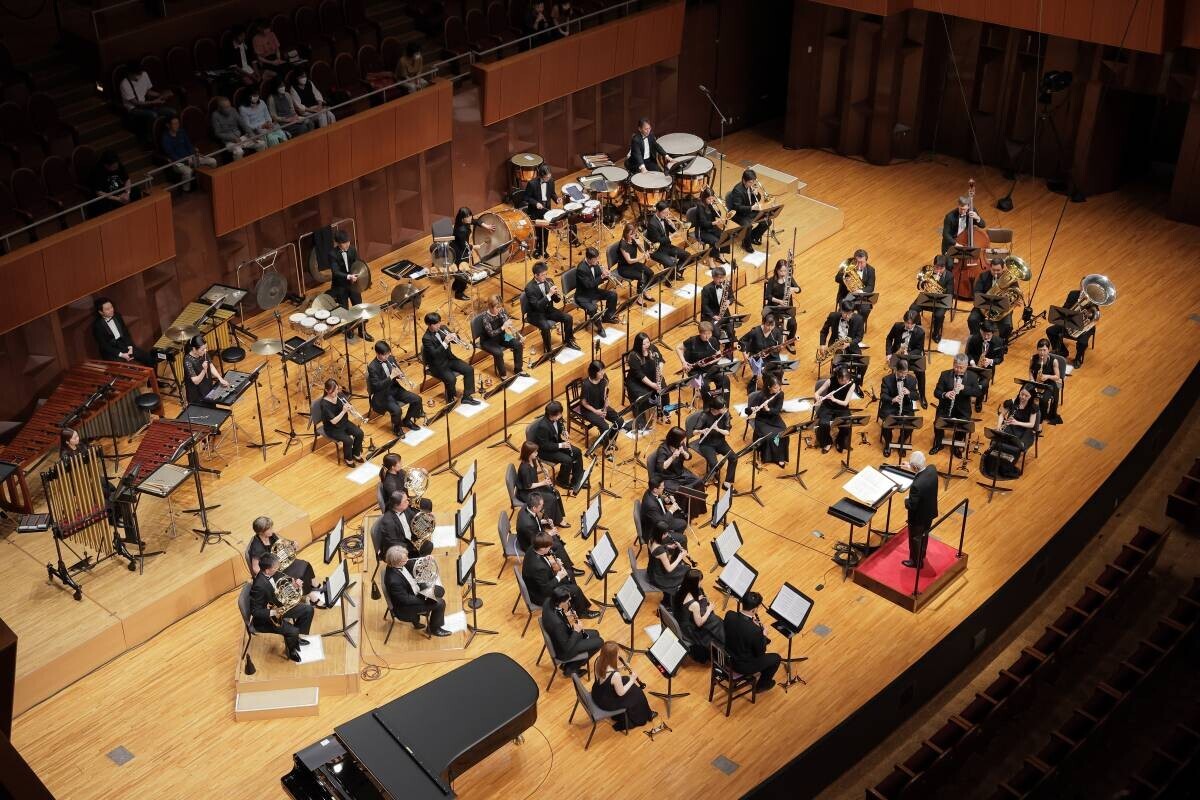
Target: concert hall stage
[(884, 573)]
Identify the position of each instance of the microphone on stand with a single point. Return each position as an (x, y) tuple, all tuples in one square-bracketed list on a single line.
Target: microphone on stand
[(704, 88)]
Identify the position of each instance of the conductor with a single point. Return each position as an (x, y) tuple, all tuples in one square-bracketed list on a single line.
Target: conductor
[(922, 507)]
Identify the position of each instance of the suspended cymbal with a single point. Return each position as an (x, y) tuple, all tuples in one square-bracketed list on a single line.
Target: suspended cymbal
[(182, 334), (266, 347), (402, 293), (366, 311)]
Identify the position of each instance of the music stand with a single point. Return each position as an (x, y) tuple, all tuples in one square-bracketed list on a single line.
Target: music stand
[(550, 355), (955, 426), (735, 580), (628, 600), (600, 560), (931, 302), (799, 428), (444, 413), (1067, 318), (262, 444), (726, 545), (467, 481), (835, 428), (206, 533), (623, 307), (989, 304), (753, 449), (855, 515), (998, 438), (584, 479), (769, 215), (658, 279), (465, 567), (721, 508), (601, 442), (502, 387), (667, 654), (333, 541), (336, 586), (905, 425), (984, 375), (790, 608)]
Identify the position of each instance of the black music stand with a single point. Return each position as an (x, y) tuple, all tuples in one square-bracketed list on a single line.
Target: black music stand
[(667, 668), (752, 449), (467, 575), (629, 616), (799, 428), (769, 215), (601, 571), (931, 302), (292, 435), (207, 534), (991, 305), (124, 501), (791, 627), (623, 307), (869, 298), (855, 515), (550, 355), (444, 413), (262, 444), (835, 428), (502, 387), (955, 426), (905, 425), (601, 443), (658, 280), (412, 300), (998, 438)]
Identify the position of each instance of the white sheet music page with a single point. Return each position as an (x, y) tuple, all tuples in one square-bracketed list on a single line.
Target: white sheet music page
[(603, 554), (902, 481), (869, 486), (668, 650), (729, 542), (737, 576), (791, 606), (629, 595)]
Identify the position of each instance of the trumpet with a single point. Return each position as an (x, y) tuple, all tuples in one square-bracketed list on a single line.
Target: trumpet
[(452, 337), (394, 371), (629, 671), (351, 409)]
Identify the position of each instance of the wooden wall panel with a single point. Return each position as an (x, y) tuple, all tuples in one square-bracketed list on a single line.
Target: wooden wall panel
[(626, 44), (24, 280), (373, 141), (1190, 36), (1024, 13), (304, 169), (519, 89), (339, 137), (558, 73), (74, 265), (166, 230), (257, 187), (600, 63)]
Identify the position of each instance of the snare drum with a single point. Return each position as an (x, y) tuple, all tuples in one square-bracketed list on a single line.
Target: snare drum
[(695, 177), (615, 177), (650, 187), (320, 314), (523, 167), (591, 209), (294, 320)]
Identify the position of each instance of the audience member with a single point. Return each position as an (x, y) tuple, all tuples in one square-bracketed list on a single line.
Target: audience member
[(257, 117), (177, 146), (267, 52), (232, 131), (240, 58), (143, 103), (410, 66), (308, 100), (110, 183), (284, 113)]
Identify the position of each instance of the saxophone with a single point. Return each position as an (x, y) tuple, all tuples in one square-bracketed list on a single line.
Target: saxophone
[(826, 352)]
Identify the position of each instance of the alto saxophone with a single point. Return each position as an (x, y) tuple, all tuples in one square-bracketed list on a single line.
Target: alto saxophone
[(826, 352)]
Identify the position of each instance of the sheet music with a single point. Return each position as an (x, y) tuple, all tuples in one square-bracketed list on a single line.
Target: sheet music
[(470, 411), (367, 472), (738, 576), (797, 405), (949, 346), (591, 515), (668, 650), (466, 560), (443, 536), (603, 554), (721, 508), (629, 597), (337, 580), (869, 486), (901, 480), (522, 384), (467, 482), (466, 513), (791, 606), (333, 539), (729, 542)]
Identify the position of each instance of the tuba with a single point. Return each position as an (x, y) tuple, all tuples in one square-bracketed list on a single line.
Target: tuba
[(1006, 286), (850, 278), (1094, 291), (285, 551)]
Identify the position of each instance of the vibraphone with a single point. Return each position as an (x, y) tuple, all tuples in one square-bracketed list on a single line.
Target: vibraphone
[(165, 441), (96, 398), (215, 331)]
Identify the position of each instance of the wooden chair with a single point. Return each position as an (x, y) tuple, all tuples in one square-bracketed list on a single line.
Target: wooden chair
[(733, 682), (595, 713)]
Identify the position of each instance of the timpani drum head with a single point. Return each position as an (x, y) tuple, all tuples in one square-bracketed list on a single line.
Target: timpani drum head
[(681, 144)]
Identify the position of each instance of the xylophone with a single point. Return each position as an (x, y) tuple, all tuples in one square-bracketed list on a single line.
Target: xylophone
[(96, 398), (165, 441)]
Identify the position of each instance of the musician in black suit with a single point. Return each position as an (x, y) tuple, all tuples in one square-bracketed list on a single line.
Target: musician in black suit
[(540, 296), (112, 337), (709, 224), (531, 520), (543, 573), (568, 636), (441, 361), (199, 372), (866, 276), (983, 285), (404, 593), (741, 201), (657, 516), (589, 275), (746, 642), (540, 197), (896, 403), (549, 433), (1057, 334), (712, 295), (395, 527), (955, 391), (845, 323), (292, 625), (703, 347), (944, 280), (955, 222), (386, 393), (985, 350), (906, 340), (343, 282), (644, 150), (658, 230), (922, 507)]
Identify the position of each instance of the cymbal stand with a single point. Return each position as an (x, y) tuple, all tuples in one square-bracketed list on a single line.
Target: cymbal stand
[(207, 534), (292, 436), (262, 444)]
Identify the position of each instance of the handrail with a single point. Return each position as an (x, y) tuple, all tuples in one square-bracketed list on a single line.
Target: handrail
[(145, 179), (528, 38), (965, 505)]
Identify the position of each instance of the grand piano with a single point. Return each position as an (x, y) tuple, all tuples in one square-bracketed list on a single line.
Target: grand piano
[(416, 745)]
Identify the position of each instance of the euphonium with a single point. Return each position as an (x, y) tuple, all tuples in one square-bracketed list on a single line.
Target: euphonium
[(1015, 270), (926, 282), (850, 277), (1094, 291)]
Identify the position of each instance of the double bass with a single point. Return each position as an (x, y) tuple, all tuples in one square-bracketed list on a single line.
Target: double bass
[(972, 241)]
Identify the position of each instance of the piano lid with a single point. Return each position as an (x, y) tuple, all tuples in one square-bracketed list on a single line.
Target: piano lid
[(439, 722)]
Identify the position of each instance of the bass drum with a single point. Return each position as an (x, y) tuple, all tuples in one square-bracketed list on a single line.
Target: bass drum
[(513, 229)]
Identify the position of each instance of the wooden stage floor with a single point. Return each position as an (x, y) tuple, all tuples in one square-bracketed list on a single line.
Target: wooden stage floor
[(169, 701)]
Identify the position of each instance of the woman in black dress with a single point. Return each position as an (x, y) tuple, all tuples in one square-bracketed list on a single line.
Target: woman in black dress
[(643, 364), (335, 411), (698, 619), (613, 691), (200, 371), (776, 295), (69, 443), (1019, 418), (1043, 368), (533, 476), (463, 248), (391, 476), (833, 402), (668, 463), (669, 562), (632, 266), (594, 405), (767, 408), (263, 540)]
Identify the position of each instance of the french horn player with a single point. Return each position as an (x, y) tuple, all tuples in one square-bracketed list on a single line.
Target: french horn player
[(264, 541), (398, 527), (411, 597)]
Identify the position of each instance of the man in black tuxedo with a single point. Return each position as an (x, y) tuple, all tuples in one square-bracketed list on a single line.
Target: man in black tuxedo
[(708, 231), (983, 285), (658, 230), (946, 280), (845, 323), (955, 222), (741, 200), (655, 516), (866, 276), (112, 337), (747, 643), (644, 150), (894, 403), (395, 527), (441, 361), (540, 297), (531, 521), (549, 433), (543, 572), (387, 395), (1057, 334), (568, 638), (589, 275), (710, 304), (956, 389), (405, 594), (985, 350), (540, 197), (922, 508), (294, 624), (343, 282), (906, 340)]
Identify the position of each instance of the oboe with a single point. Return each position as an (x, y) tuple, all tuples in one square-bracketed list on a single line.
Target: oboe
[(629, 671)]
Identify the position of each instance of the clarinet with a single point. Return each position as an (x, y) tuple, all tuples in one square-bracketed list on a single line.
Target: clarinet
[(625, 664)]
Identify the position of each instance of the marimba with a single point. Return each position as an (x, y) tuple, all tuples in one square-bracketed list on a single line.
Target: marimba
[(165, 441)]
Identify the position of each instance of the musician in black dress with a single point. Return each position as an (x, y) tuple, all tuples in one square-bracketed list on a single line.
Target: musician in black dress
[(709, 224), (590, 276), (983, 285), (396, 527), (496, 338), (866, 277), (335, 414), (614, 691), (549, 433), (833, 402), (406, 597), (778, 294), (643, 380), (712, 425), (561, 622), (669, 562), (945, 282), (922, 505), (387, 395), (543, 572), (112, 336), (766, 406), (69, 443), (263, 541), (1058, 334), (699, 356), (845, 323), (540, 296), (593, 400), (441, 361), (1019, 419), (746, 642), (906, 340), (392, 477), (645, 151), (540, 197), (1044, 367), (534, 480), (955, 392), (955, 222), (199, 372), (896, 399), (631, 263), (985, 350), (761, 344), (741, 201), (659, 229), (343, 282), (292, 625), (668, 462), (697, 617), (659, 514), (463, 246)]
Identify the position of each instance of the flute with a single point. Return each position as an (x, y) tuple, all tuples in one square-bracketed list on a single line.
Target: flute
[(829, 394), (764, 404)]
